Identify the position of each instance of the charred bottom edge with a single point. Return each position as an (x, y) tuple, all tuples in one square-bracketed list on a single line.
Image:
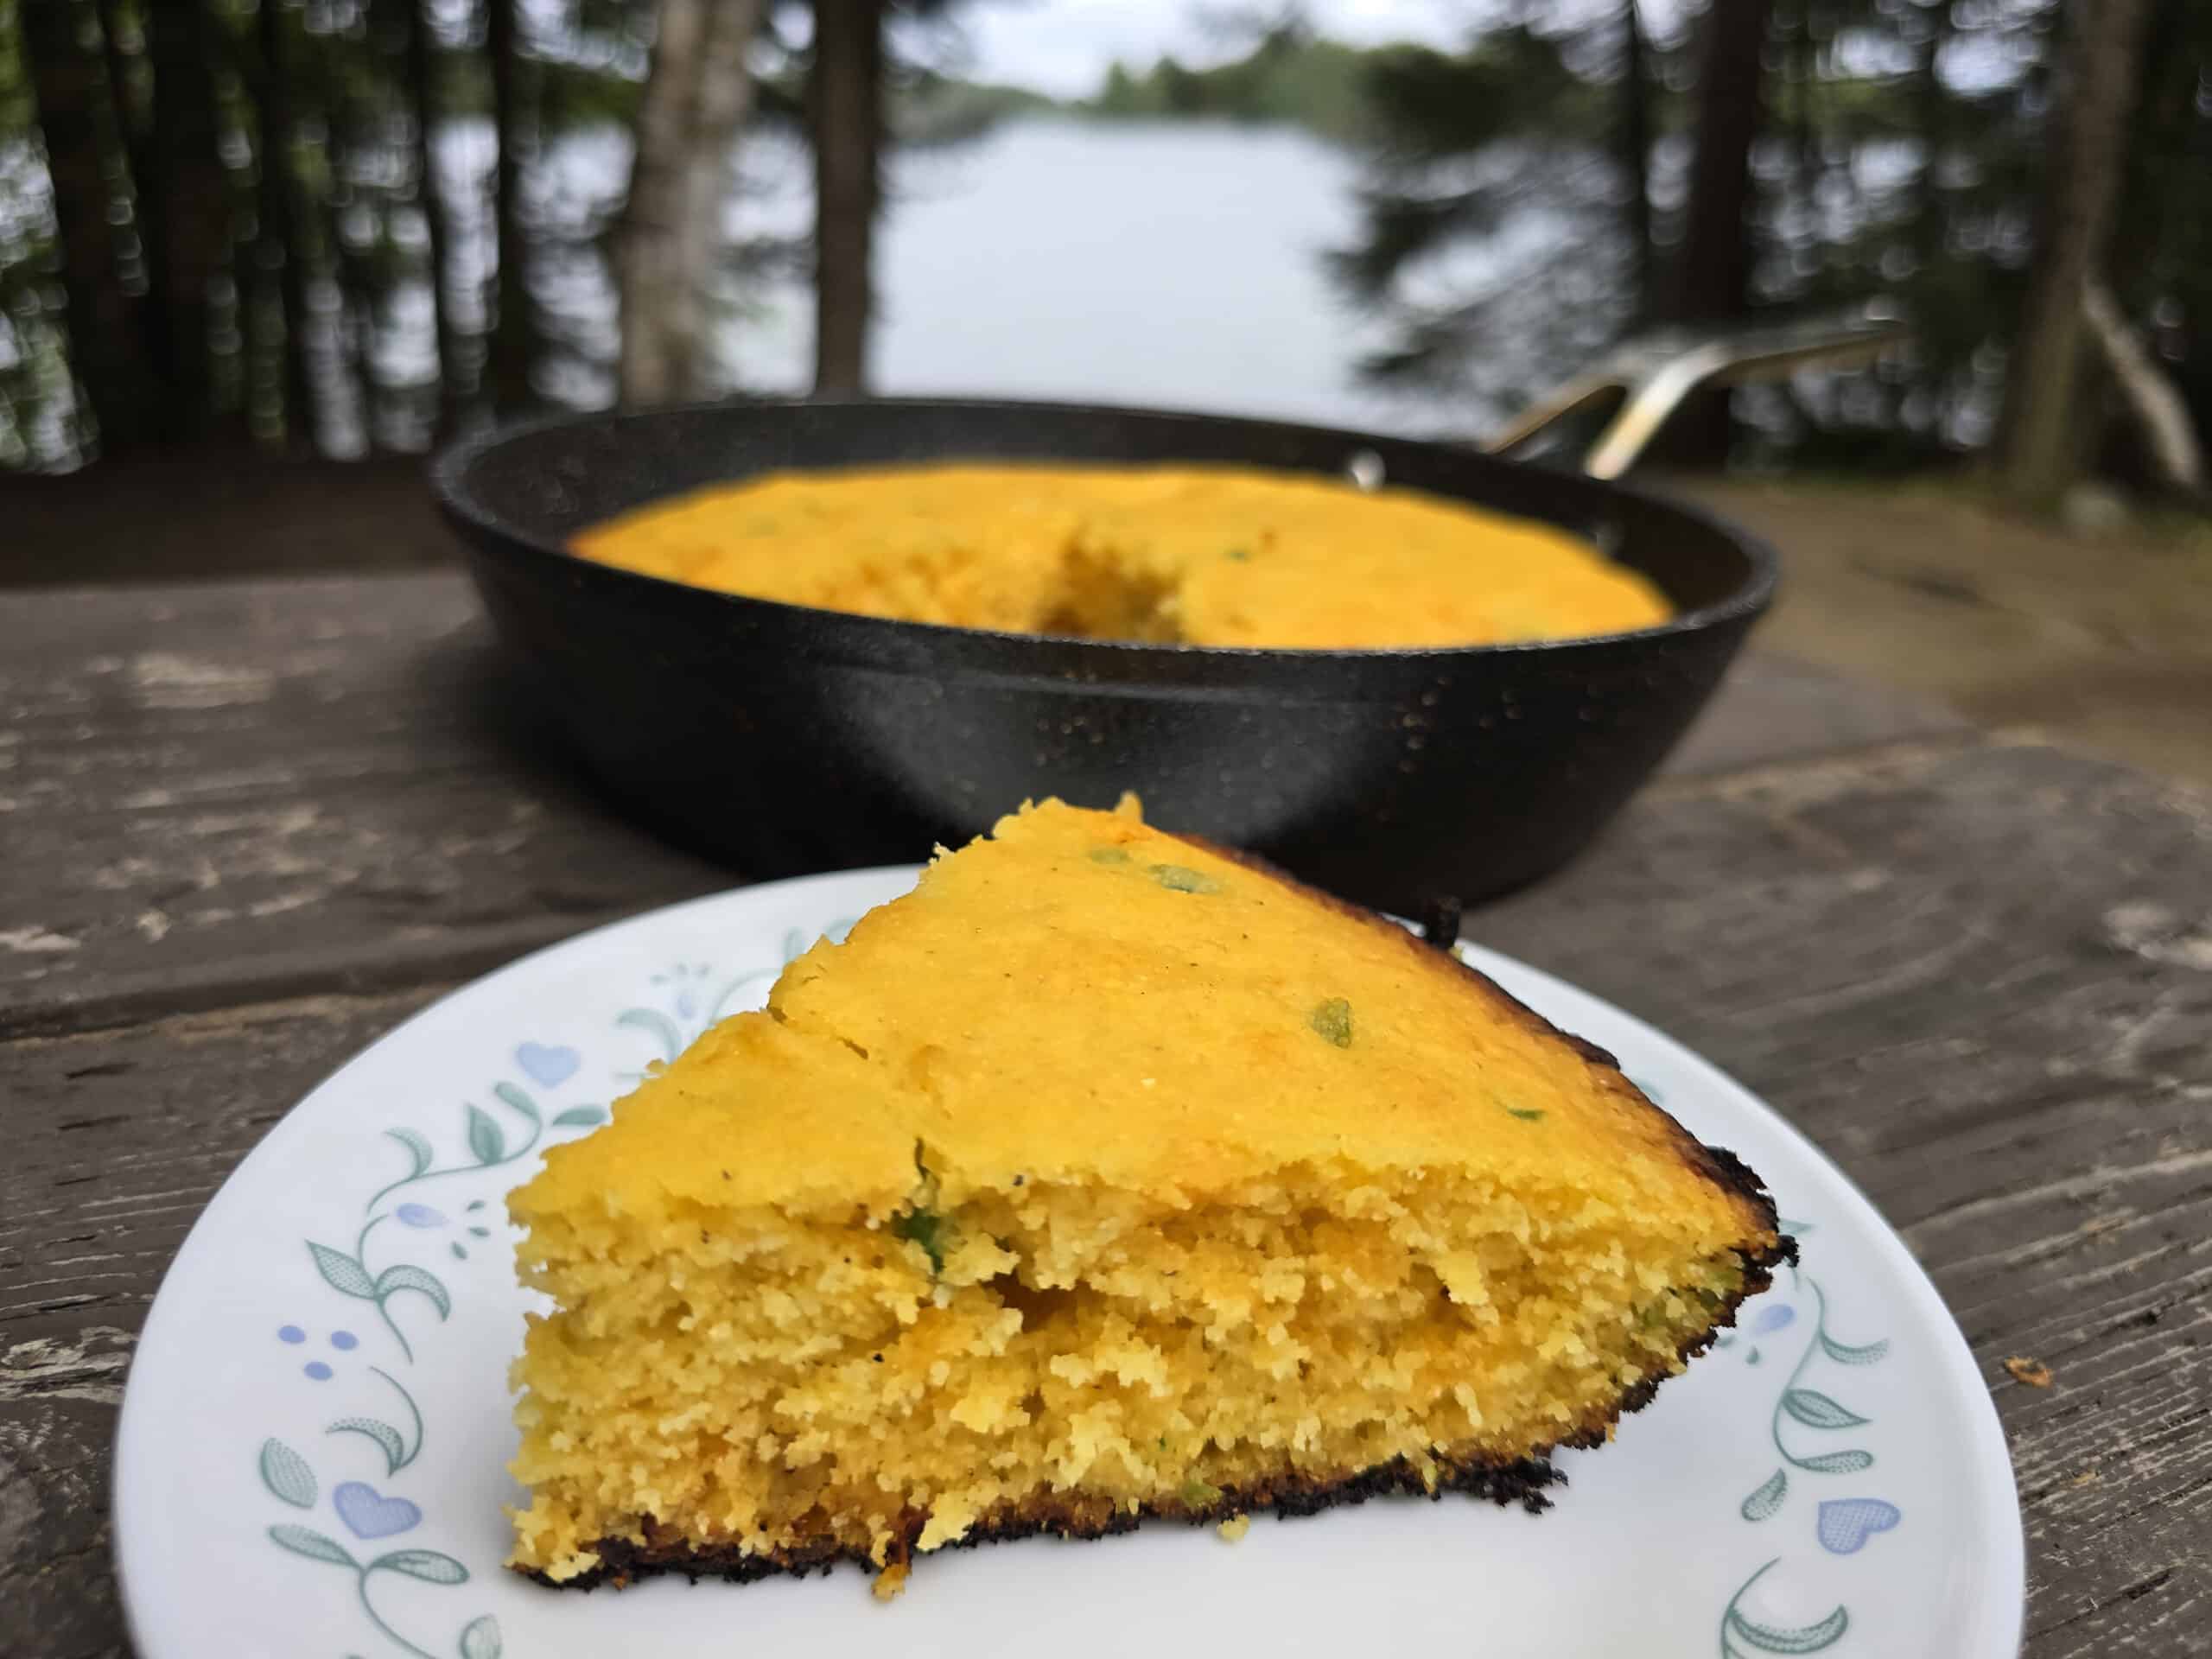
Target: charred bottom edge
[(1524, 1482), (1074, 1517)]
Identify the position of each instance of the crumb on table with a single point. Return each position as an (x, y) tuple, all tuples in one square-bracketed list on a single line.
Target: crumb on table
[(2033, 1372)]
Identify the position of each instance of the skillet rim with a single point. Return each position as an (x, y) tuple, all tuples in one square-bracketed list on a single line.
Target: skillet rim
[(489, 531)]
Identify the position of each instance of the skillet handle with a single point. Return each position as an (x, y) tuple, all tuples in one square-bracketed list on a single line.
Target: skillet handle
[(1652, 374)]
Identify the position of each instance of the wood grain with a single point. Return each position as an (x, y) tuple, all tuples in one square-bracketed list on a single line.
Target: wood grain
[(1981, 979), (116, 1139), (1978, 971), (236, 791), (233, 791), (1772, 708)]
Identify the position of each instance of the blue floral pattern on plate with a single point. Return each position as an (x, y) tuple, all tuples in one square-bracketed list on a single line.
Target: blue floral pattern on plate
[(488, 1142)]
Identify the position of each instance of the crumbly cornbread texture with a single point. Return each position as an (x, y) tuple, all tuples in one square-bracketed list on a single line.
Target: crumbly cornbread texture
[(1206, 555), (1106, 1174)]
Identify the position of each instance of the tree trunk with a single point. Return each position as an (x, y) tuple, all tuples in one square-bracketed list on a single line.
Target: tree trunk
[(457, 372), (65, 42), (1635, 139), (2039, 444), (696, 97), (514, 322), (129, 80), (656, 313), (1712, 282), (245, 313), (2152, 396), (1931, 105), (725, 104), (1802, 76), (1922, 403), (350, 110), (279, 253), (184, 214), (847, 117)]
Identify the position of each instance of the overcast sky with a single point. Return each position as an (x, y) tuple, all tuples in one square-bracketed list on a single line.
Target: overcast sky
[(1063, 46)]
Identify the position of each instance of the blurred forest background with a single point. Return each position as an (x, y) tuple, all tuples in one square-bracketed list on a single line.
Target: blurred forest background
[(359, 225)]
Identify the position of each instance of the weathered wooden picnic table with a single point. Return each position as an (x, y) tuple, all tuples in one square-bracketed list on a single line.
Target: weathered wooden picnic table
[(245, 826)]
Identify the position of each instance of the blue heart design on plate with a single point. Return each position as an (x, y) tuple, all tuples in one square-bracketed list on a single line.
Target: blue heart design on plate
[(1846, 1523), (370, 1515), (548, 1067)]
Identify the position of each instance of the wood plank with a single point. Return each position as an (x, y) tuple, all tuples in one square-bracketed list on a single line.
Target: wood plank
[(1982, 981), (116, 1140), (2105, 639), (1981, 978), (197, 512), (1773, 708), (238, 791)]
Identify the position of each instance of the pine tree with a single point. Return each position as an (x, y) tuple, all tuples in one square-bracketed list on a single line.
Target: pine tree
[(1495, 247), (845, 117)]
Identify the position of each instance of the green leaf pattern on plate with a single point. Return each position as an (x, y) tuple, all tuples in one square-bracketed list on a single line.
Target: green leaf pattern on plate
[(418, 1147), (428, 1564), (580, 1117), (486, 1144), (1813, 1408), (306, 1540), (1845, 1354), (402, 1276), (1838, 1463), (1738, 1627), (398, 1451), (1768, 1498), (516, 1099), (1741, 1635), (387, 1438), (1816, 1410), (285, 1472), (342, 1272)]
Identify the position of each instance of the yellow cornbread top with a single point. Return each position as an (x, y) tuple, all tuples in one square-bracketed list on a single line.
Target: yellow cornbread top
[(1206, 555), (1083, 999)]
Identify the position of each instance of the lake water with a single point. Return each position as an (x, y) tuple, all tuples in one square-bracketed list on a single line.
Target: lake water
[(1173, 264), (1177, 263)]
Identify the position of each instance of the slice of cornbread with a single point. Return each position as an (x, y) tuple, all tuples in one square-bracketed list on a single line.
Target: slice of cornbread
[(1104, 1175)]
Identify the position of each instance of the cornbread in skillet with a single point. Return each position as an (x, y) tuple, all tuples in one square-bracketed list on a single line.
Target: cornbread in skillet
[(1204, 556), (1104, 1175)]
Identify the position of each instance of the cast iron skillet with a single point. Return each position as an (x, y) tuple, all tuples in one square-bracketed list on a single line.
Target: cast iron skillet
[(786, 738)]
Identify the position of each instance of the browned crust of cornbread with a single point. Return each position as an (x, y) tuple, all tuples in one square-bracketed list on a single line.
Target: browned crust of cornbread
[(1073, 1517), (1068, 1515)]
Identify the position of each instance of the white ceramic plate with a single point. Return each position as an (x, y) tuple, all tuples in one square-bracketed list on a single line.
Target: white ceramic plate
[(312, 1453)]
